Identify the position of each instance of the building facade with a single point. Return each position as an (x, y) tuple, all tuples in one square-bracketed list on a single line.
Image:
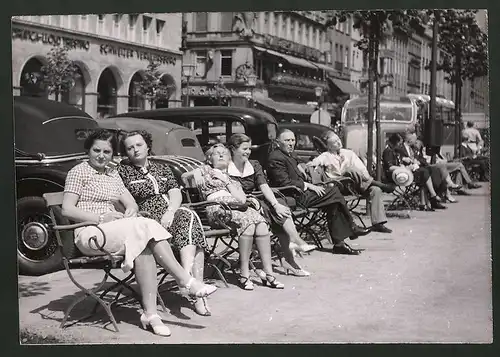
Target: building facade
[(290, 53), (112, 51)]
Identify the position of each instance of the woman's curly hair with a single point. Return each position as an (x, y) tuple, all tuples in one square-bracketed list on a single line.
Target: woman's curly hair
[(127, 134), (210, 152)]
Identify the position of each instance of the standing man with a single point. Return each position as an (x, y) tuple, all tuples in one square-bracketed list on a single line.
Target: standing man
[(284, 170), (338, 162), (472, 137)]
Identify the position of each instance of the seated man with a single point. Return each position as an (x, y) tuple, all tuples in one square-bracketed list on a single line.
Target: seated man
[(469, 158), (284, 170), (338, 162), (462, 178)]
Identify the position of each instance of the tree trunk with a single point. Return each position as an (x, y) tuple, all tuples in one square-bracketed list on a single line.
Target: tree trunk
[(371, 72), (458, 103), (378, 130)]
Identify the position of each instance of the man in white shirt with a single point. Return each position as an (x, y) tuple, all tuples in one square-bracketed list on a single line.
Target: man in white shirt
[(472, 138), (338, 162)]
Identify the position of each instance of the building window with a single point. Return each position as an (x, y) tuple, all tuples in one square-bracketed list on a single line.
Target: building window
[(201, 22), (146, 25), (275, 29), (132, 20), (346, 58), (100, 23), (341, 53), (100, 17), (201, 63), (84, 23), (226, 63), (226, 21)]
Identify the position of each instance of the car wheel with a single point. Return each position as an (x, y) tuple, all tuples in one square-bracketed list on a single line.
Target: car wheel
[(37, 249)]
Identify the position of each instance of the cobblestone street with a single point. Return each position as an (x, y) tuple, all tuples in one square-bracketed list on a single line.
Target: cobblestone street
[(429, 281)]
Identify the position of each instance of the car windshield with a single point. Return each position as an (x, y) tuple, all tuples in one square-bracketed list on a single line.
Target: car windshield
[(390, 110), (53, 137)]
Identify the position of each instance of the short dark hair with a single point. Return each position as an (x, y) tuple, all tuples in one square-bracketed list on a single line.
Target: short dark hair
[(100, 134), (236, 140), (127, 134), (470, 124), (395, 138)]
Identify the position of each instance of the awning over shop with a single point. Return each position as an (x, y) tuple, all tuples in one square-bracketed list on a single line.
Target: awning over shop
[(324, 67), (286, 108), (344, 86), (290, 59)]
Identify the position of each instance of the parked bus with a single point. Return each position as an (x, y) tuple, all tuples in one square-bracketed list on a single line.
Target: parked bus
[(397, 114)]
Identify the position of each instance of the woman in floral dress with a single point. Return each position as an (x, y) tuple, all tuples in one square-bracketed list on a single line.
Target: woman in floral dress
[(215, 183), (155, 189)]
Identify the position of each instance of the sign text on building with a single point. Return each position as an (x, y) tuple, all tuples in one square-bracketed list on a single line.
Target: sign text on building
[(139, 54), (294, 48), (51, 39)]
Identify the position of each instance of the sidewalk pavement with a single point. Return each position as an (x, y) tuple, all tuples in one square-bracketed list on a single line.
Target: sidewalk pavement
[(428, 281)]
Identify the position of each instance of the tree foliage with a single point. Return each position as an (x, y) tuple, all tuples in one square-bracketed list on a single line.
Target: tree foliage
[(461, 39), (220, 92), (60, 73), (152, 85), (378, 24)]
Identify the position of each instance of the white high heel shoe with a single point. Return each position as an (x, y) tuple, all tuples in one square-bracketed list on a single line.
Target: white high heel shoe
[(156, 324), (201, 292)]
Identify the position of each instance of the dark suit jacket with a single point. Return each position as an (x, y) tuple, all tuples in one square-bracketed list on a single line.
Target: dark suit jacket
[(282, 170), (418, 155), (390, 157)]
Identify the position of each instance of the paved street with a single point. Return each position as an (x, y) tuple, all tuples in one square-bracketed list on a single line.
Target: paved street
[(429, 281)]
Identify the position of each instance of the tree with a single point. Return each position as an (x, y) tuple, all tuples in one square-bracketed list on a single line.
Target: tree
[(219, 92), (464, 52), (60, 73), (152, 87), (375, 28)]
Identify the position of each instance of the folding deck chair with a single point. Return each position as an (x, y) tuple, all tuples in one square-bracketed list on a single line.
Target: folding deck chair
[(104, 261)]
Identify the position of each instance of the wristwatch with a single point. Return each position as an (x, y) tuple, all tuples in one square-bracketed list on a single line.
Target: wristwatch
[(101, 219)]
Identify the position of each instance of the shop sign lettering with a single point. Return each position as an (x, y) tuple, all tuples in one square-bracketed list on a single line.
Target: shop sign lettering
[(49, 38), (139, 54), (204, 91), (293, 48)]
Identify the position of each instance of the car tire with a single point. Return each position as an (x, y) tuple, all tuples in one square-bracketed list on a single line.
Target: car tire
[(48, 259)]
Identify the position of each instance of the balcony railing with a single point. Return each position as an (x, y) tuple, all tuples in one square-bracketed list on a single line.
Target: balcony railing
[(209, 35), (339, 66)]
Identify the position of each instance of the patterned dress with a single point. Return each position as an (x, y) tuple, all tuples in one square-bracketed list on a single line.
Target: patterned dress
[(215, 190), (150, 190), (97, 192)]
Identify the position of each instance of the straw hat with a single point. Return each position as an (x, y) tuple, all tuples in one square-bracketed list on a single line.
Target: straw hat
[(402, 177)]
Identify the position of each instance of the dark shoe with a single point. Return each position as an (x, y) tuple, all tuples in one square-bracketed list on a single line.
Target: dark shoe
[(425, 208), (359, 231), (345, 249), (381, 228), (387, 188), (435, 204), (473, 185), (462, 192), (455, 187)]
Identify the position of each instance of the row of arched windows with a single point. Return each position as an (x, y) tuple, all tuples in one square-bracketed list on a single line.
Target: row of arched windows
[(107, 87)]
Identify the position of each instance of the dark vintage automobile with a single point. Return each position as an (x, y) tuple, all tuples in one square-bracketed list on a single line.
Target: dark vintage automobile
[(48, 143), (304, 133), (219, 123)]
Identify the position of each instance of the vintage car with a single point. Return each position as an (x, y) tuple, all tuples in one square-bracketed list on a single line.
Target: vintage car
[(304, 134), (48, 143), (257, 124)]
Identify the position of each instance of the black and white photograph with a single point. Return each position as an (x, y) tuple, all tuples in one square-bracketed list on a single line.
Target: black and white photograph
[(255, 177)]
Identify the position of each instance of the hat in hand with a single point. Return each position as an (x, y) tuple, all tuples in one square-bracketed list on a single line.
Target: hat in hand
[(402, 177)]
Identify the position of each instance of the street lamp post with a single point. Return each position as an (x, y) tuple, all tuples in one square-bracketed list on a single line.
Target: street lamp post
[(252, 82), (319, 91), (188, 72)]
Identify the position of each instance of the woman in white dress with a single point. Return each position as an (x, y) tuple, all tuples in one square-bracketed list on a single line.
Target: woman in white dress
[(90, 194)]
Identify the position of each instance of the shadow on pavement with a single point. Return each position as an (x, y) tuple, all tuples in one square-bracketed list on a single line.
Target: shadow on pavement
[(33, 289), (127, 311)]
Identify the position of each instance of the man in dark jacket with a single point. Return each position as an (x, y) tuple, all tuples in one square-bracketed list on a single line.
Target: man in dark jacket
[(284, 170)]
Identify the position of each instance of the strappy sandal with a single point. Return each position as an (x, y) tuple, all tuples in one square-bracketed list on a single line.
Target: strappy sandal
[(245, 283), (270, 280)]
